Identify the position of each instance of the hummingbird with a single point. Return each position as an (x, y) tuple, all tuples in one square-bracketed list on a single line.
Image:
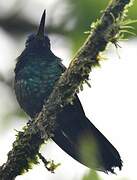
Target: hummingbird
[(36, 73)]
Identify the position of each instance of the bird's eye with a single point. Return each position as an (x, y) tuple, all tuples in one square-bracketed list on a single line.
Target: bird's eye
[(30, 39), (27, 42)]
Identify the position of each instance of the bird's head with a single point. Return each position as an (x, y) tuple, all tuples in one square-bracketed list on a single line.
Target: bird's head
[(39, 41)]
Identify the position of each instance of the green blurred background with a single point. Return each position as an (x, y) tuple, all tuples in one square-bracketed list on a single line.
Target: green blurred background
[(67, 20)]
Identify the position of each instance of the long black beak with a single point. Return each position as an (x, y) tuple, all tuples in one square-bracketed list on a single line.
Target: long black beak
[(41, 30)]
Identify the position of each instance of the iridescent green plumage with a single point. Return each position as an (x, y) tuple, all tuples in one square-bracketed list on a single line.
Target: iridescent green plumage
[(35, 81)]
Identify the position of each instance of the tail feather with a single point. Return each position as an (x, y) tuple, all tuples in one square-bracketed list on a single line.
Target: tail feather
[(109, 156), (78, 137), (98, 153)]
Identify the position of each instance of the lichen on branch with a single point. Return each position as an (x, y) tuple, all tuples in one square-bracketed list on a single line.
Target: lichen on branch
[(25, 149)]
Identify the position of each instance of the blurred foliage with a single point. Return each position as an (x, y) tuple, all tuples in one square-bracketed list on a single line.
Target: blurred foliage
[(89, 150), (85, 13), (80, 14), (92, 175)]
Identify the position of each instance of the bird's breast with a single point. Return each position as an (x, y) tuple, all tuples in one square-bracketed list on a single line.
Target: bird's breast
[(33, 85)]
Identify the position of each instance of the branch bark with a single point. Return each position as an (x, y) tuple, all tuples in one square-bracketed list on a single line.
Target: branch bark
[(26, 146)]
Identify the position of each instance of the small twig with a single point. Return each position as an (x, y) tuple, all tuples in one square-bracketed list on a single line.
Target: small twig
[(50, 165)]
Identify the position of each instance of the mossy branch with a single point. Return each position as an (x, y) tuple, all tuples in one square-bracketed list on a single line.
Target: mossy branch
[(26, 146)]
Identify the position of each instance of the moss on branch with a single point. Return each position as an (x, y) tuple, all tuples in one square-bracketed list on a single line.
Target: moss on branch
[(25, 149)]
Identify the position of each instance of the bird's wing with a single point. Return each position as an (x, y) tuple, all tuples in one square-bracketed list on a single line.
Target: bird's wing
[(77, 136)]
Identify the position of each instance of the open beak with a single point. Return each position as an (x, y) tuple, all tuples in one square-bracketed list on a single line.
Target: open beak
[(41, 30)]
